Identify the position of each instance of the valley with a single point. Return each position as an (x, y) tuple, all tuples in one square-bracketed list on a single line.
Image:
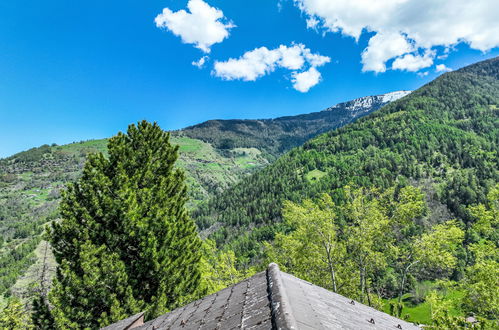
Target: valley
[(215, 156), (401, 170)]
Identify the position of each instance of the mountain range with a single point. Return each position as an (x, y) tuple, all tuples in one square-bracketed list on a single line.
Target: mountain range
[(276, 136), (442, 138), (439, 144), (215, 154)]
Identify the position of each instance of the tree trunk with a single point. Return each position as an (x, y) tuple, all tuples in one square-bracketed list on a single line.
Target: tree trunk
[(401, 290), (331, 270), (362, 288), (404, 277)]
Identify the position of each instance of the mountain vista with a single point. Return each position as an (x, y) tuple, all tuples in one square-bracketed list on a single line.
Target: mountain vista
[(215, 154)]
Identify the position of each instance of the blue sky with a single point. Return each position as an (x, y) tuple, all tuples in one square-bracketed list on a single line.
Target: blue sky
[(77, 70)]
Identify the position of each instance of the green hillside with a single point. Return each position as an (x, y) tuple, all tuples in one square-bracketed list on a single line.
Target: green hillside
[(31, 182), (442, 138), (276, 136), (215, 155), (386, 189)]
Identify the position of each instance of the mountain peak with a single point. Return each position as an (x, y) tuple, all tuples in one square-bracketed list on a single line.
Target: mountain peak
[(394, 96), (367, 103)]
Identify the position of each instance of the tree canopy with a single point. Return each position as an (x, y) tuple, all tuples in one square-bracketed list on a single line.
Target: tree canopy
[(125, 242)]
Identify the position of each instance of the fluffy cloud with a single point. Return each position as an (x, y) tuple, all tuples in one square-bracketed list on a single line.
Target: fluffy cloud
[(403, 27), (381, 48), (249, 67), (413, 63), (203, 26), (261, 61), (442, 68), (303, 81)]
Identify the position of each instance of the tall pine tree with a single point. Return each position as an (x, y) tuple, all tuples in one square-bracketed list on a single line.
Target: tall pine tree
[(125, 242)]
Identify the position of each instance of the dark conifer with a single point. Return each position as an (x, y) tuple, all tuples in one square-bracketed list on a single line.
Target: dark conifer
[(125, 242), (40, 315)]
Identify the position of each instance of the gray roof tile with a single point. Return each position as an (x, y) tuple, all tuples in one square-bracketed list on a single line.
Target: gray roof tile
[(128, 323), (272, 300)]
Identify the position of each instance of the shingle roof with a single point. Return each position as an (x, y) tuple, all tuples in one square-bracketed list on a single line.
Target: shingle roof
[(273, 300), (129, 323), (241, 306)]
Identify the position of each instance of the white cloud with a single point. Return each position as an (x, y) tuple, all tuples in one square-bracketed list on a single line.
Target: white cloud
[(261, 61), (442, 68), (203, 26), (315, 60), (252, 65), (381, 48), (413, 63), (303, 81), (291, 58), (402, 27), (201, 62)]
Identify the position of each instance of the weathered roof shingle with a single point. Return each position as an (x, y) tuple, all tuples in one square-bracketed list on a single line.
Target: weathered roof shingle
[(273, 300)]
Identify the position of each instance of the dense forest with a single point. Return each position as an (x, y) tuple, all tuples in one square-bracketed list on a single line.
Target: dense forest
[(398, 210), (378, 248), (31, 181), (124, 242), (276, 136), (442, 138)]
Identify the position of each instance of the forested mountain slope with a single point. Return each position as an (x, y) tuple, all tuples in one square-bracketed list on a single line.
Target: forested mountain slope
[(31, 181), (276, 136), (443, 138)]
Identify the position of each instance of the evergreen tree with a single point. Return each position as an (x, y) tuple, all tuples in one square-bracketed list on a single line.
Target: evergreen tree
[(125, 242), (40, 315)]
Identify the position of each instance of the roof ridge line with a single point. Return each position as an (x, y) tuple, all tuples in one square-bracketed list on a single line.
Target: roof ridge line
[(282, 315)]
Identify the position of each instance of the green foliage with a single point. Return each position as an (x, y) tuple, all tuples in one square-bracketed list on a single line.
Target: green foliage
[(381, 233), (415, 307), (436, 250), (314, 175), (219, 269), (368, 247), (31, 183), (481, 282), (368, 236), (482, 285), (125, 242), (15, 260), (29, 193), (126, 218), (33, 154), (312, 251), (431, 254), (40, 315), (214, 154), (443, 318), (14, 316), (442, 137), (278, 135), (97, 295)]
